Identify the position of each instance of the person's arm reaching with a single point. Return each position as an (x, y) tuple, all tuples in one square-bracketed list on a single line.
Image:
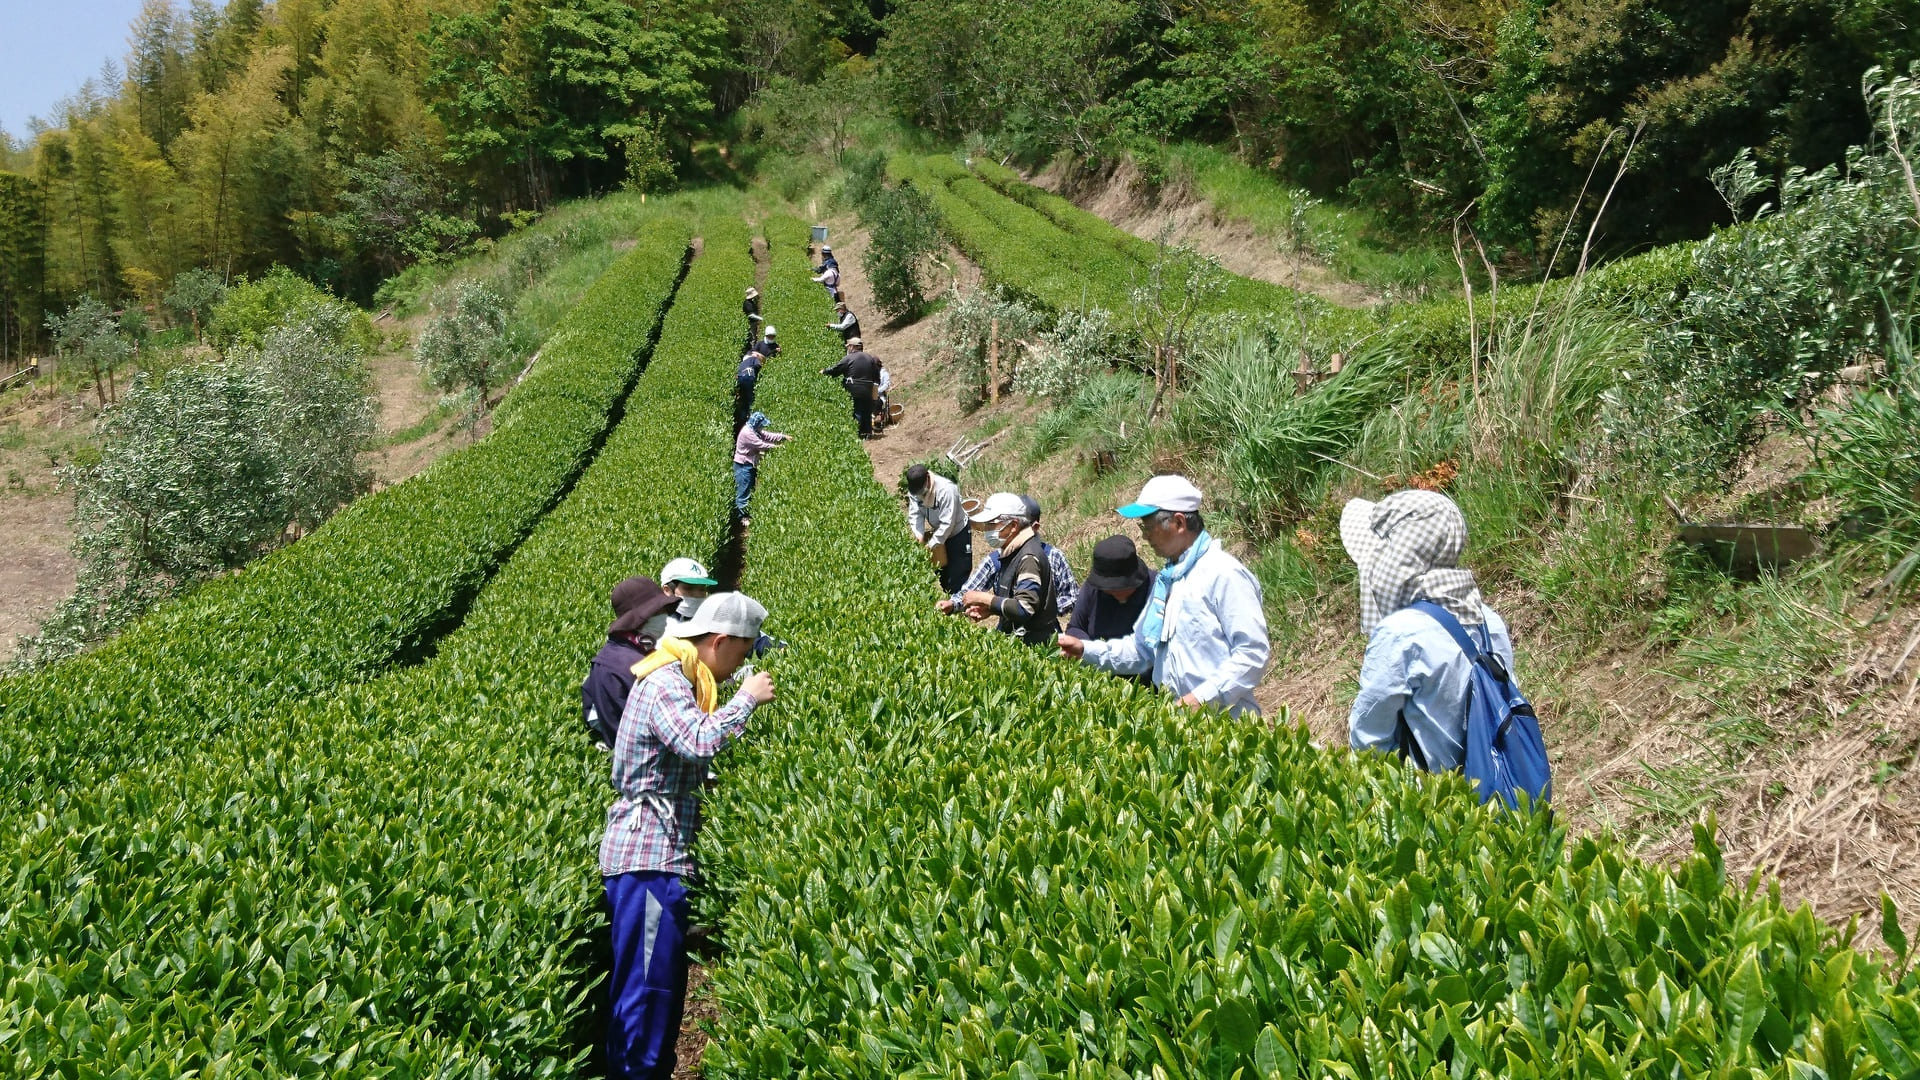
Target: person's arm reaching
[(837, 369), (1130, 655), (917, 518)]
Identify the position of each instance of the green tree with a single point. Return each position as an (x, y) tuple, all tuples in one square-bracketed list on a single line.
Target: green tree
[(649, 160), (194, 295), (23, 262), (904, 233), (88, 332), (396, 210)]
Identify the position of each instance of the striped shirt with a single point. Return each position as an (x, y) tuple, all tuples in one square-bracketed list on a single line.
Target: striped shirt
[(659, 763)]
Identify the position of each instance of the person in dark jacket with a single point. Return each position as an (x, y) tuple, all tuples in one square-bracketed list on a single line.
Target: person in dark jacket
[(1114, 594), (751, 308), (1022, 596), (744, 382), (859, 372), (769, 344), (640, 610), (826, 259)]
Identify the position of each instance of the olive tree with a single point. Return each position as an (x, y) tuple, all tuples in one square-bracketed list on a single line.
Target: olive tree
[(89, 332), (464, 347)]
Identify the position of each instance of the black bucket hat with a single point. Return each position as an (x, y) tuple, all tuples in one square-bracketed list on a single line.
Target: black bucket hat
[(1117, 565), (636, 600)]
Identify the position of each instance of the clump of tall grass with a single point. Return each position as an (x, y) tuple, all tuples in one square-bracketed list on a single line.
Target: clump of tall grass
[(1867, 452), (1104, 414)]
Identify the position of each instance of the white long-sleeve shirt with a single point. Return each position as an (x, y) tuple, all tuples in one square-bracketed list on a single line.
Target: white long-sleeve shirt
[(1218, 645), (1414, 666), (935, 515)]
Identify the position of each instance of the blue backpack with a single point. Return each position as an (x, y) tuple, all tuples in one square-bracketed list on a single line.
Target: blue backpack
[(1505, 754)]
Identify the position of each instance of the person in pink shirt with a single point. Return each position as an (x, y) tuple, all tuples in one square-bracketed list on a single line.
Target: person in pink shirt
[(754, 440)]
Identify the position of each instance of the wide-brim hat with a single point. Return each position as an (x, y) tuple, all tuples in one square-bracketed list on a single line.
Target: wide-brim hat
[(636, 600), (1117, 566), (753, 293), (1356, 531)]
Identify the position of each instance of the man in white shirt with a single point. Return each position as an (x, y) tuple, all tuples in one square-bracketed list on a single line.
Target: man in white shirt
[(1203, 635), (938, 522)]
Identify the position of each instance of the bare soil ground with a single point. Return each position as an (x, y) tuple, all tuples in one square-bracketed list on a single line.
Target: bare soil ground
[(1185, 220), (925, 387), (405, 400), (41, 426)]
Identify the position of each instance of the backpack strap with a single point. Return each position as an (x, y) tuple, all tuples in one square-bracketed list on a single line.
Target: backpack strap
[(1452, 626)]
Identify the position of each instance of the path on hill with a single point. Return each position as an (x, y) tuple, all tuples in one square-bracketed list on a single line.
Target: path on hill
[(1237, 245)]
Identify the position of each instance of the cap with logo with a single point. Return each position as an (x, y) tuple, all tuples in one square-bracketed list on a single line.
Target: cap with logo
[(687, 572), (1175, 493)]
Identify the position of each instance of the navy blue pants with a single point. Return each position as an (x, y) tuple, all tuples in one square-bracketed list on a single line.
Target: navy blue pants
[(744, 477), (959, 568), (651, 918)]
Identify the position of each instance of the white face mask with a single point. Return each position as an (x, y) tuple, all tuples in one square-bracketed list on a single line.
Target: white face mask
[(688, 605), (655, 628)]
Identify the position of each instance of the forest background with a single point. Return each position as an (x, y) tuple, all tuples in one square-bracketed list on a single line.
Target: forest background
[(350, 139)]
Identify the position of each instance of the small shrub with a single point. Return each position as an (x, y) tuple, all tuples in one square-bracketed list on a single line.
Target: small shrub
[(251, 309), (463, 347), (1080, 346)]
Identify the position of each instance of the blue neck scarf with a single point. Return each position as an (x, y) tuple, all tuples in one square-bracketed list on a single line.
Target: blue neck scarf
[(1153, 621)]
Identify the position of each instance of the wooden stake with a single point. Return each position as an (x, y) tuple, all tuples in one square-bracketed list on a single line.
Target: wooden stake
[(993, 364)]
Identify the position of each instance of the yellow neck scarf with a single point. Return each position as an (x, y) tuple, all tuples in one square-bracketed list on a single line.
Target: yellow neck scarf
[(673, 650)]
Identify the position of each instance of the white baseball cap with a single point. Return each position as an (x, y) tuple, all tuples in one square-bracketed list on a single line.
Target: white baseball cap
[(1175, 493), (730, 613), (1002, 504), (686, 571), (772, 332)]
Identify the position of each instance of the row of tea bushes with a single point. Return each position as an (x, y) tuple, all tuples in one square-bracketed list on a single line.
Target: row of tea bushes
[(940, 854)]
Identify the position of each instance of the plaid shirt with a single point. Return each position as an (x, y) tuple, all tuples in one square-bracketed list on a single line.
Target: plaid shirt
[(659, 763)]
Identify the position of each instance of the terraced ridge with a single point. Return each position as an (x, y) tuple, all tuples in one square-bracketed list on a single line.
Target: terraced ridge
[(381, 580)]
